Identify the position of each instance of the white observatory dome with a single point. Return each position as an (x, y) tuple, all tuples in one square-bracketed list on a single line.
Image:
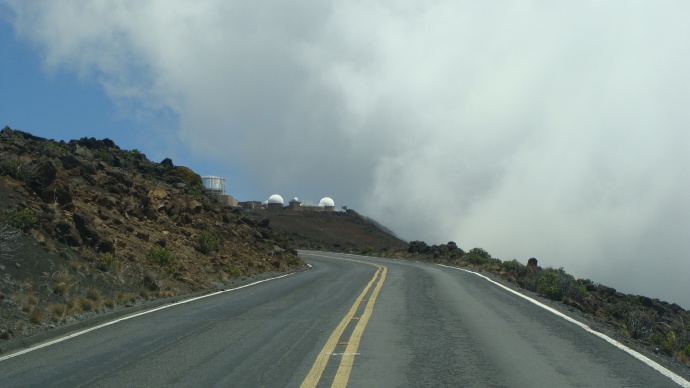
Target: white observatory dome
[(326, 202), (275, 198), (295, 199)]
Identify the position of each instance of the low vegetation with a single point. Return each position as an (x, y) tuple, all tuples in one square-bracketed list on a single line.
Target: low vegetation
[(107, 261), (208, 243), (162, 257), (20, 219), (86, 227), (662, 326), (17, 168), (192, 180)]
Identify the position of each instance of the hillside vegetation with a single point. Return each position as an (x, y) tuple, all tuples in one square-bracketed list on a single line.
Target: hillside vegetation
[(662, 327), (86, 227)]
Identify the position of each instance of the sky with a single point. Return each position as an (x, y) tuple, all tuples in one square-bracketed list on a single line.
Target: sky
[(549, 129)]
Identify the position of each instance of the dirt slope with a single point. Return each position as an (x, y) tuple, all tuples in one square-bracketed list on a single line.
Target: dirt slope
[(335, 231), (86, 227)]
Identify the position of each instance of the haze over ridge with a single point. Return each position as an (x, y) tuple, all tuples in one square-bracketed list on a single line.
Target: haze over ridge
[(553, 130)]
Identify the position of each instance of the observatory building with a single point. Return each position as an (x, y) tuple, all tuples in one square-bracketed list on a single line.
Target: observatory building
[(215, 186), (275, 202), (295, 204), (327, 204)]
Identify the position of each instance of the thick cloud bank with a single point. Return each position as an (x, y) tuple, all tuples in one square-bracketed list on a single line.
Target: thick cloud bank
[(554, 130)]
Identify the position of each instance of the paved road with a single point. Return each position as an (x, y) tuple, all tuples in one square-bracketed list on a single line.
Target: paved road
[(382, 324)]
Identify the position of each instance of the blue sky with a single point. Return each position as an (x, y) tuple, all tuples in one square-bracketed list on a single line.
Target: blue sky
[(55, 105), (555, 130), (58, 104)]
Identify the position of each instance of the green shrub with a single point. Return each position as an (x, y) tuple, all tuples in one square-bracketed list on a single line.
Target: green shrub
[(104, 155), (208, 243), (20, 219), (163, 257), (232, 270), (366, 250), (512, 265), (417, 247), (186, 176), (478, 256), (555, 284), (548, 287), (454, 250), (687, 350), (17, 169), (52, 147), (106, 261), (669, 341)]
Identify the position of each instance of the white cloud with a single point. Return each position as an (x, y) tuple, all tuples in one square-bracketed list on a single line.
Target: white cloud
[(555, 130)]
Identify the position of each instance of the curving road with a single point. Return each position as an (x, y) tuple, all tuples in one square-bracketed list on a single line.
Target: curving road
[(363, 323)]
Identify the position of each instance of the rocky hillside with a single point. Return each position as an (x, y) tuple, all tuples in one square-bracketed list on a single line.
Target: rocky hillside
[(86, 227)]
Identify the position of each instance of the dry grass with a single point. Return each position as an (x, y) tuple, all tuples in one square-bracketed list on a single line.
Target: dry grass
[(127, 297), (20, 300), (57, 311), (109, 303), (166, 293), (27, 302), (32, 299), (62, 282), (74, 308), (87, 304), (93, 293), (36, 316)]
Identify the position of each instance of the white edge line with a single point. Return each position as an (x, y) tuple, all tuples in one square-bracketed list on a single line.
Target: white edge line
[(77, 334), (676, 378)]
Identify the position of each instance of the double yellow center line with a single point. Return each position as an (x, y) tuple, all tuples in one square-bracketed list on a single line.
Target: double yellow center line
[(348, 356)]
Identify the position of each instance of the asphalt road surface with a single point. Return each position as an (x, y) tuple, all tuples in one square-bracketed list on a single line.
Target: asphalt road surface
[(350, 320)]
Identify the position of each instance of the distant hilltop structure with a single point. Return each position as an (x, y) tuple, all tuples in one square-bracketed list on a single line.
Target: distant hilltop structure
[(276, 202), (215, 186)]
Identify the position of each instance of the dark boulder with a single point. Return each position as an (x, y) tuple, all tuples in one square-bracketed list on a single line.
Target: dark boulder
[(67, 234), (70, 161), (86, 229)]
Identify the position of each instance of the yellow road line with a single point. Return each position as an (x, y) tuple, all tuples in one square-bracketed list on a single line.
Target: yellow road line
[(343, 374), (317, 369)]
